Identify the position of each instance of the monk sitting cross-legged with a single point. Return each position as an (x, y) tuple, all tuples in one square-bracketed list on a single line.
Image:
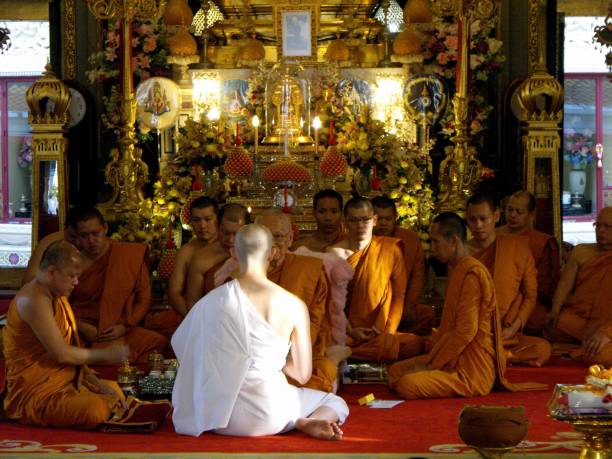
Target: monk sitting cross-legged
[(47, 380), (375, 299), (207, 260), (466, 354), (114, 292), (420, 317), (508, 259), (203, 221), (582, 304), (236, 348), (327, 211), (520, 214)]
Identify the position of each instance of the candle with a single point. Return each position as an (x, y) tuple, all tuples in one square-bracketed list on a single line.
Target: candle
[(255, 123), (316, 124)]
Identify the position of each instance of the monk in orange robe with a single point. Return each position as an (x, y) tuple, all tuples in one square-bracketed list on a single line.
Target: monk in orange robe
[(305, 277), (207, 260), (47, 379), (69, 233), (510, 263), (465, 355), (327, 212), (582, 304), (375, 300), (419, 317), (520, 215), (203, 221), (114, 293)]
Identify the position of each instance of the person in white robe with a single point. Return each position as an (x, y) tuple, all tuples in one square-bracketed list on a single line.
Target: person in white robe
[(234, 349)]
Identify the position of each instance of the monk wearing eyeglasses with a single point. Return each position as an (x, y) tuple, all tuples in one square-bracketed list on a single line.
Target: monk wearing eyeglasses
[(376, 294), (582, 304)]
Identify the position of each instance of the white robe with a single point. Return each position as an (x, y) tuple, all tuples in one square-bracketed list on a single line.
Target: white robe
[(230, 377)]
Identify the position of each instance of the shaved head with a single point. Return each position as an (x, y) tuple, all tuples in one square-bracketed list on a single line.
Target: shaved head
[(276, 216), (253, 244), (234, 213), (60, 254), (527, 197)]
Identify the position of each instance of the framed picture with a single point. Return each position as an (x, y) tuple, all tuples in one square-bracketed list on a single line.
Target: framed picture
[(296, 28)]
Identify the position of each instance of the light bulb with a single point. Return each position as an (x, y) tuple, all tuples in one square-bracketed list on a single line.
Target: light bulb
[(316, 122)]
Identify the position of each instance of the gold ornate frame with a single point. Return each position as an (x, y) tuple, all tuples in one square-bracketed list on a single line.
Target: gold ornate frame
[(285, 10), (69, 64)]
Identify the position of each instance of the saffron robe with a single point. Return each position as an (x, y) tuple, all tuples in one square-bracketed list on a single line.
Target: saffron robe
[(376, 300), (545, 251), (305, 277), (42, 391), (230, 377), (466, 355), (510, 263), (589, 307), (115, 289), (414, 256)]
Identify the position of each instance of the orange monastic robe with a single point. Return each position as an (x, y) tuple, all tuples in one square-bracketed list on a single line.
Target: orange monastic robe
[(589, 307), (376, 300), (41, 391), (414, 256), (305, 277), (545, 251), (466, 354), (510, 263), (115, 289)]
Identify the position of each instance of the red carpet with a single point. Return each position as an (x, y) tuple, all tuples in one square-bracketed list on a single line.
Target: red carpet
[(422, 426)]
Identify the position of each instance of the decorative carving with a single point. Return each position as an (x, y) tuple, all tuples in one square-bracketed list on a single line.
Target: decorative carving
[(128, 173), (540, 100), (461, 171), (69, 41), (48, 99)]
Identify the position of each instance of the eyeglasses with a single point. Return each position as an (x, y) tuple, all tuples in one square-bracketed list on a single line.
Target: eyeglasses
[(356, 220), (280, 236), (601, 225)]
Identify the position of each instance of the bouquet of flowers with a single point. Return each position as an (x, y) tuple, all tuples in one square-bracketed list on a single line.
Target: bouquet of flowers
[(25, 155), (578, 147), (485, 60)]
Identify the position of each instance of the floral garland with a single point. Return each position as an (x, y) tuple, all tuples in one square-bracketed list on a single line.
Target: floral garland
[(149, 58), (25, 155), (486, 59)]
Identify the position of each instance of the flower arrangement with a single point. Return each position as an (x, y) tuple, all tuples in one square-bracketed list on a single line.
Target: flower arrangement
[(486, 59), (578, 147), (200, 142), (149, 58), (25, 155)]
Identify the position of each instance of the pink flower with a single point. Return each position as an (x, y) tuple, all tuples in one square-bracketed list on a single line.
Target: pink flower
[(451, 42), (110, 54), (442, 58), (146, 29), (143, 60), (150, 43), (112, 39)]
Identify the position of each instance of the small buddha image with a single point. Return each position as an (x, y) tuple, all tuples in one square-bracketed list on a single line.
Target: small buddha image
[(157, 101), (288, 100)]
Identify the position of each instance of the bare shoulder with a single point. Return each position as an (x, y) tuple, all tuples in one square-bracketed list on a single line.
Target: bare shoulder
[(29, 300), (340, 249), (206, 257)]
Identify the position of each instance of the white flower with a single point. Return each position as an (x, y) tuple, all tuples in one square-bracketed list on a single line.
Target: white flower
[(494, 45), (475, 61)]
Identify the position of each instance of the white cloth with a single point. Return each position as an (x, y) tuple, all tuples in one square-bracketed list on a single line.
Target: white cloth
[(230, 377)]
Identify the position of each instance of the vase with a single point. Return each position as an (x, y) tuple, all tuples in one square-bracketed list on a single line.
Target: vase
[(577, 181)]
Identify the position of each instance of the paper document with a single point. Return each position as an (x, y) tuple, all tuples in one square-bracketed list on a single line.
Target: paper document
[(384, 403)]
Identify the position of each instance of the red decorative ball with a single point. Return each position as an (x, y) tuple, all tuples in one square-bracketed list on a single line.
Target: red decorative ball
[(239, 163), (285, 171), (333, 163), (166, 264)]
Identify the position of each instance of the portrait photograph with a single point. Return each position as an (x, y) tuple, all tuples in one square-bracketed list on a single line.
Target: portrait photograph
[(296, 32)]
